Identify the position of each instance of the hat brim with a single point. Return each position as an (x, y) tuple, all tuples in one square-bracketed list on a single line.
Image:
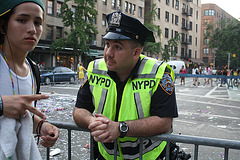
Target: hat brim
[(112, 35)]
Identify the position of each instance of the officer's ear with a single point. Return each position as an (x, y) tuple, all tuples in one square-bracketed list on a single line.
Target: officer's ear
[(137, 52)]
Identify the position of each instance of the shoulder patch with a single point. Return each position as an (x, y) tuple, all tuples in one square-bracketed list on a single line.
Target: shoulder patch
[(167, 83)]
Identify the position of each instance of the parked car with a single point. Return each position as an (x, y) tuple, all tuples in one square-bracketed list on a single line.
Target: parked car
[(57, 74)]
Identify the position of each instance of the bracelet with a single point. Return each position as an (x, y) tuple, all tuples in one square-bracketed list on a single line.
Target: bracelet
[(1, 106), (38, 130)]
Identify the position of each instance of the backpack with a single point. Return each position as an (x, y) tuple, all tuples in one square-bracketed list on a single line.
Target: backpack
[(36, 74)]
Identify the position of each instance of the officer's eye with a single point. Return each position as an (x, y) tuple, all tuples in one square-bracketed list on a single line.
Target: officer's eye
[(118, 47)]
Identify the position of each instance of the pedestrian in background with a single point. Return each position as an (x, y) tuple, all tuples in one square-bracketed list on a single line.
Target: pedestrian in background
[(81, 75), (20, 30), (195, 71), (127, 95), (209, 72), (183, 71)]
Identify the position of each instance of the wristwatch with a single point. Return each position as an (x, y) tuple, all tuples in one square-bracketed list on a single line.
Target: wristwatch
[(1, 107), (123, 128)]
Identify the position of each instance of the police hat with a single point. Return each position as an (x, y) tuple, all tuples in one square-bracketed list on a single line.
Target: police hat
[(121, 26), (7, 5)]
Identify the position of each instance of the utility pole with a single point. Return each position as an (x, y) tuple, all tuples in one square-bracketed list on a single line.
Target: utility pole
[(229, 63)]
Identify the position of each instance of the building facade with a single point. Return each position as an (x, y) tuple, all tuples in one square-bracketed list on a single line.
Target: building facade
[(174, 17), (54, 29), (211, 14), (181, 17)]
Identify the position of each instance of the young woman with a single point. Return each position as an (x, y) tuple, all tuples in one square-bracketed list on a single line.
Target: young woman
[(81, 70), (183, 71), (20, 30)]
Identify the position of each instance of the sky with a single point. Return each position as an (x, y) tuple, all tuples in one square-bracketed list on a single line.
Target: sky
[(230, 6)]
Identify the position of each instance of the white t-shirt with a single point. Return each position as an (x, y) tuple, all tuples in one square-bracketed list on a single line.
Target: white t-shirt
[(24, 83), (194, 70)]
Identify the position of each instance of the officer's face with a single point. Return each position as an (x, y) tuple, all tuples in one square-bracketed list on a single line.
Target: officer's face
[(120, 56)]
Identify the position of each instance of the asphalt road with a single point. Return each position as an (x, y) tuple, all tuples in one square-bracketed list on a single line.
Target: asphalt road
[(203, 111)]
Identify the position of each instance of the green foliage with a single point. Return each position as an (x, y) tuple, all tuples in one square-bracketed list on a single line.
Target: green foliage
[(225, 37), (80, 24), (156, 48)]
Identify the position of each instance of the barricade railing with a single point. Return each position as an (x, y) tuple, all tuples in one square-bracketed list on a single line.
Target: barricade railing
[(196, 141), (229, 79)]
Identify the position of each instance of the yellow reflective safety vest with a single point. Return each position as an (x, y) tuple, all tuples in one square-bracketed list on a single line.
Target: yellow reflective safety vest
[(135, 104)]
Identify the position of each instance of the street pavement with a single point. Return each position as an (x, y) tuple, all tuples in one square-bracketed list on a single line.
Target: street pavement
[(203, 111)]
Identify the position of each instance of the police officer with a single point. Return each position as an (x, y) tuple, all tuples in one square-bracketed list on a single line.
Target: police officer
[(127, 94)]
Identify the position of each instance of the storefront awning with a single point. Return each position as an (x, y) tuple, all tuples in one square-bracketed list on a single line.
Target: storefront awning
[(197, 61), (95, 53)]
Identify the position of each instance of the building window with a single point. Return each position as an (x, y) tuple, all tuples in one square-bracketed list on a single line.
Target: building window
[(176, 50), (119, 4), (196, 41), (205, 59), (49, 32), (191, 11), (190, 53), (166, 32), (113, 4), (183, 23), (59, 32), (205, 51), (134, 9), (206, 21), (167, 2), (182, 53), (167, 16), (176, 19), (104, 19), (176, 33), (204, 31), (209, 12), (140, 12), (130, 8), (190, 39), (196, 14), (190, 25), (183, 37), (196, 28), (172, 34), (126, 6), (159, 13), (177, 4), (206, 41), (74, 11), (104, 2), (59, 8), (173, 3), (172, 18), (50, 7)]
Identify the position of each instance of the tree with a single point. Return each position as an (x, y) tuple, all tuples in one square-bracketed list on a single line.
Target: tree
[(156, 48), (225, 37), (150, 47), (80, 24)]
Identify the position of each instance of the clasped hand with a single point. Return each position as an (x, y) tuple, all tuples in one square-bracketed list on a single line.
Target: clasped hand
[(103, 129)]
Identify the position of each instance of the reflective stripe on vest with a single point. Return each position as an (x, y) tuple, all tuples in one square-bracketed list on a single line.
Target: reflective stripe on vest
[(138, 98)]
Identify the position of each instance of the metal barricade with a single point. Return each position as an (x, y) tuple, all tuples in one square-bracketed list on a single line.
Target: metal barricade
[(196, 141)]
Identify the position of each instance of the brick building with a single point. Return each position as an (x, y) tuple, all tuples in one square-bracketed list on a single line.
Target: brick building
[(211, 14)]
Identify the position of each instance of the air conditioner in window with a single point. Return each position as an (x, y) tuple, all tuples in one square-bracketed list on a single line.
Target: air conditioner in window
[(94, 43)]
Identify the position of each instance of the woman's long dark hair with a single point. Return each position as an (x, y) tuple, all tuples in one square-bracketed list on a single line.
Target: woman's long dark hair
[(3, 24)]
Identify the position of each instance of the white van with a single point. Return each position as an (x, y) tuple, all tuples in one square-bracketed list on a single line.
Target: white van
[(176, 65)]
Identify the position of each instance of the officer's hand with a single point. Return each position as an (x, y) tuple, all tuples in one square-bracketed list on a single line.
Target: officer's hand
[(15, 106), (103, 129)]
